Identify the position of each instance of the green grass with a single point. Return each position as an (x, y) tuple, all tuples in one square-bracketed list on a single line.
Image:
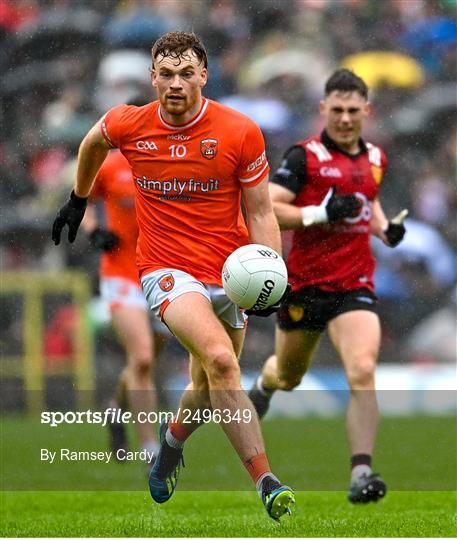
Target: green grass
[(417, 457), (223, 514)]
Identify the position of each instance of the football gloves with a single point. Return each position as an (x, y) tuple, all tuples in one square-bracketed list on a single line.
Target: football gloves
[(70, 214), (103, 239), (339, 207), (396, 230), (266, 312), (333, 208)]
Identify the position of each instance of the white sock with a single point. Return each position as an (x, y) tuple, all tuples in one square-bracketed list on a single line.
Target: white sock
[(151, 446), (265, 391), (173, 441), (359, 470)]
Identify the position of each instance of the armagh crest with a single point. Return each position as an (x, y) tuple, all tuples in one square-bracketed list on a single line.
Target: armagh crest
[(208, 148), (167, 283)]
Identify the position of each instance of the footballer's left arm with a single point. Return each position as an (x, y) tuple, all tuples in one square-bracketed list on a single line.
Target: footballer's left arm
[(379, 221), (261, 221), (390, 232)]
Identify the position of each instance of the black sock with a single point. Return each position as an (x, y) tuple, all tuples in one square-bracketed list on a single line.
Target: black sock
[(360, 459)]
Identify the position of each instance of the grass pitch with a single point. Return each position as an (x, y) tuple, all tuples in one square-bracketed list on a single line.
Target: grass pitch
[(415, 455), (222, 514)]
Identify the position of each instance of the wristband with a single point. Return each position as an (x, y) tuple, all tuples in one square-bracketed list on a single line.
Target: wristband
[(312, 215)]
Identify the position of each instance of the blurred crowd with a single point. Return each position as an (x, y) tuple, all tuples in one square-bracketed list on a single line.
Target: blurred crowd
[(65, 62)]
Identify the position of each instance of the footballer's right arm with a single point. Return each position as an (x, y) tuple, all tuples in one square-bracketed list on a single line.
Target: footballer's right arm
[(288, 215), (92, 153), (332, 208), (287, 184)]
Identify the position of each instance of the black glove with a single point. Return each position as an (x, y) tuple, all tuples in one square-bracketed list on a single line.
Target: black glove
[(396, 230), (342, 206), (272, 309), (70, 214), (103, 239), (394, 234)]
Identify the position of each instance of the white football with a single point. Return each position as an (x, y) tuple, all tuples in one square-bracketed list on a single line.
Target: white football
[(254, 276)]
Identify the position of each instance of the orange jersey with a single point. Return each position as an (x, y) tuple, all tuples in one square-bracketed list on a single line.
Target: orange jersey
[(188, 182), (114, 185)]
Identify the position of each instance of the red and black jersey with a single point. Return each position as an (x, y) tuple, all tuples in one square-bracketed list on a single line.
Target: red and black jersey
[(332, 256)]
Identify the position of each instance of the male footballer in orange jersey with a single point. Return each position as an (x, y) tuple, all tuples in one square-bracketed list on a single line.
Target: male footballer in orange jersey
[(120, 287), (192, 160)]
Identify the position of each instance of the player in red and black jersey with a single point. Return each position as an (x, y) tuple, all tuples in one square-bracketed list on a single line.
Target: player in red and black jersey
[(326, 190)]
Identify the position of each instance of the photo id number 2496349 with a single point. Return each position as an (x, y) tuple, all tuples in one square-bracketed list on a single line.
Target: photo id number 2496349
[(224, 416)]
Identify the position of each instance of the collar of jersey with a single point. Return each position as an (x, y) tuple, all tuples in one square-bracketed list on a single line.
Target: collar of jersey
[(188, 124), (331, 145)]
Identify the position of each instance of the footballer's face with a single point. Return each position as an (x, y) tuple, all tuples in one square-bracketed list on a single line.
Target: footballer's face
[(344, 113), (179, 82)]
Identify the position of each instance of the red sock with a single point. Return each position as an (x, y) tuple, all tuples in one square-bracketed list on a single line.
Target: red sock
[(257, 465), (179, 431)]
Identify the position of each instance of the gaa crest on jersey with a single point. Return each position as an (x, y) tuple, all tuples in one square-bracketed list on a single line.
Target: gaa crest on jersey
[(167, 283), (208, 148), (296, 313)]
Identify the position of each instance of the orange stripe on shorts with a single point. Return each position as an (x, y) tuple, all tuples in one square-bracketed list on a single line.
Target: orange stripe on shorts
[(163, 307)]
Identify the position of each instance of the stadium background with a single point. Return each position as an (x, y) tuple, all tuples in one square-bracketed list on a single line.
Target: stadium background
[(64, 63)]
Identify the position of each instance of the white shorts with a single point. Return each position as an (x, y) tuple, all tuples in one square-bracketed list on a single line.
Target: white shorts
[(116, 292), (122, 292), (162, 286)]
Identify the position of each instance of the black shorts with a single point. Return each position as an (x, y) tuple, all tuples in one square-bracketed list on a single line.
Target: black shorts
[(311, 308)]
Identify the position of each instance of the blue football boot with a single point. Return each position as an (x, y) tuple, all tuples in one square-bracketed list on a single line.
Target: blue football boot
[(165, 471), (277, 499)]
